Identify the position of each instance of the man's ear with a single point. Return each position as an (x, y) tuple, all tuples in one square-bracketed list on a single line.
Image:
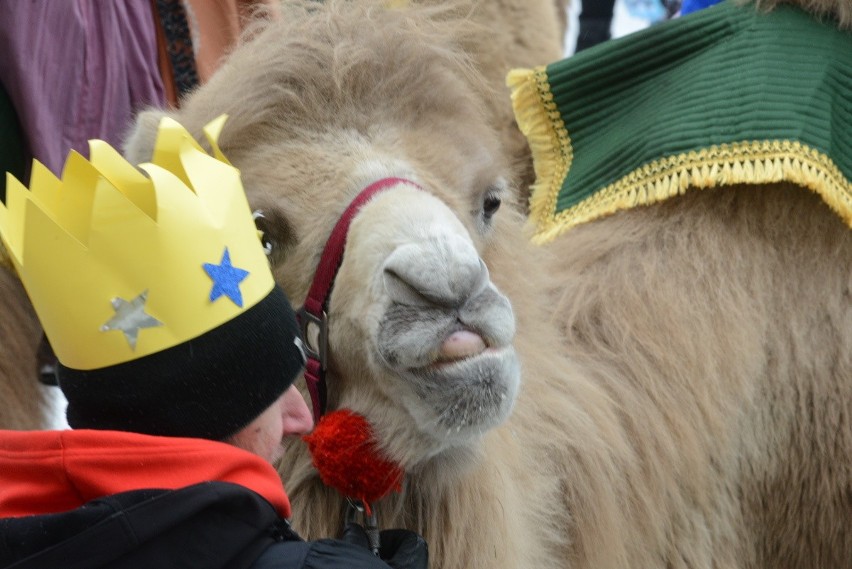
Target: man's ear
[(140, 140)]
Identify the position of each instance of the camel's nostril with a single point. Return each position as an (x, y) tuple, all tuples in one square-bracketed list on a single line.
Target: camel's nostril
[(441, 271), (401, 291)]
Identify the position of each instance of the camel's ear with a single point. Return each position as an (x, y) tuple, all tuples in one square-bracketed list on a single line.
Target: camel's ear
[(139, 141)]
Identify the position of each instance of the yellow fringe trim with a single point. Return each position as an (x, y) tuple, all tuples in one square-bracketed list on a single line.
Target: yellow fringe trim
[(540, 121), (749, 162)]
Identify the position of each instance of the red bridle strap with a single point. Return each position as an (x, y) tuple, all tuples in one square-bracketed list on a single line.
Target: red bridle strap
[(312, 316)]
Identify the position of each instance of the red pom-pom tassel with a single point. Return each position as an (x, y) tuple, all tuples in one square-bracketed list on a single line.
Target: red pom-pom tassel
[(345, 454)]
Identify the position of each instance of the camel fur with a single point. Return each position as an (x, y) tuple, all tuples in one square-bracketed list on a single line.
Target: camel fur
[(512, 34), (839, 10), (685, 370), (23, 399)]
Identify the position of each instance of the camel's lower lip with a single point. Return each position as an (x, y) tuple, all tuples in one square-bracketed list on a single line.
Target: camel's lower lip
[(485, 357), (493, 370), (440, 363)]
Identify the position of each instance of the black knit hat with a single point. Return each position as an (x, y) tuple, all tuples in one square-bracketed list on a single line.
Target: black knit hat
[(154, 291), (208, 387)]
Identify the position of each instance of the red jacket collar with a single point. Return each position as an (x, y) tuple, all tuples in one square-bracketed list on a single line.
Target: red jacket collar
[(54, 471)]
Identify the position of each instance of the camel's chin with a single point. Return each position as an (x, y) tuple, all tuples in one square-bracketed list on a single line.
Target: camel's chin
[(466, 397)]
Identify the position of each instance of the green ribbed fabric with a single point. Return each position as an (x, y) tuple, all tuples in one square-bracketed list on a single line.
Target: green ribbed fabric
[(725, 85)]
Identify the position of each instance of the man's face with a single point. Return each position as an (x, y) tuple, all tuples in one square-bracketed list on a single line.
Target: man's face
[(289, 415)]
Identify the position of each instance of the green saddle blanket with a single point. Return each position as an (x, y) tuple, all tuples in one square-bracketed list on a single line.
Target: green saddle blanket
[(727, 95)]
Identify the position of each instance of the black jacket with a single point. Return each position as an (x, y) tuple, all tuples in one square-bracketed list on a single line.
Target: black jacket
[(213, 525)]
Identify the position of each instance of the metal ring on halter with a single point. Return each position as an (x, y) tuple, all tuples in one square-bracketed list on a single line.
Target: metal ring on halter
[(368, 521), (315, 334)]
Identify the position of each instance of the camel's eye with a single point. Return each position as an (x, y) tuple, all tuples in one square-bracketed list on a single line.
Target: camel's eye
[(490, 205), (262, 227), (275, 233), (490, 201)]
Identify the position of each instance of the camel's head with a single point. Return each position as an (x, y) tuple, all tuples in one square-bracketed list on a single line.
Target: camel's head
[(420, 337), (323, 104)]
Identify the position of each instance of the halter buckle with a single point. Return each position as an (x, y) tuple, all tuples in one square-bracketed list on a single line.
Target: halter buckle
[(315, 335)]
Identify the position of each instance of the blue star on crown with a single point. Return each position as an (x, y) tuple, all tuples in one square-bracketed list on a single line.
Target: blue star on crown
[(226, 279)]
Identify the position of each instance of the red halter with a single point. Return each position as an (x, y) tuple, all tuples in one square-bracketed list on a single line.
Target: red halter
[(312, 316)]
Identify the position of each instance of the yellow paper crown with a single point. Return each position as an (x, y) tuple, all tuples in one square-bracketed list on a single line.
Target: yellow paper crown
[(119, 265)]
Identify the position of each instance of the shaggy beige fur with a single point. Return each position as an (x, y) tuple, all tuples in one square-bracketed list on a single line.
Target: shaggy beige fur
[(687, 368), (20, 333), (517, 34), (841, 10)]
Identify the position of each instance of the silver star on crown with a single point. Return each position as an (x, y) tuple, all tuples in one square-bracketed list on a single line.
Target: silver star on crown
[(130, 317)]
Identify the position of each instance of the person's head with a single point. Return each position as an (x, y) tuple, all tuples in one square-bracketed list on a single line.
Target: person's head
[(288, 415), (157, 296)]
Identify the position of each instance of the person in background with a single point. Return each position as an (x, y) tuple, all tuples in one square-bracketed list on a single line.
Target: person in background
[(596, 18), (689, 6), (178, 354), (594, 23), (76, 70)]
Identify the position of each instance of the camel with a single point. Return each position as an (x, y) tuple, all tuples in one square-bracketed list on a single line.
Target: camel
[(668, 386), (496, 37), (24, 400)]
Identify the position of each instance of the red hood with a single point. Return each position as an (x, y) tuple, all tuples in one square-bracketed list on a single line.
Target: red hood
[(45, 472)]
